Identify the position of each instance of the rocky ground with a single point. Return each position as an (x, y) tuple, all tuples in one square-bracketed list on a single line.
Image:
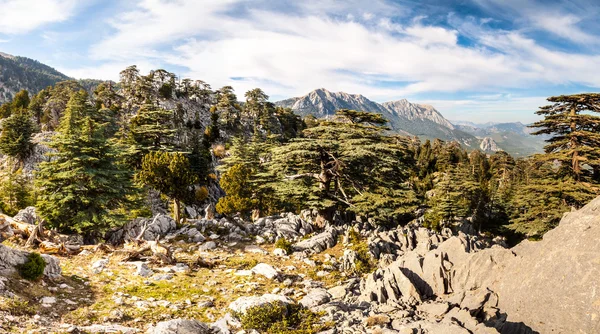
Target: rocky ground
[(346, 278)]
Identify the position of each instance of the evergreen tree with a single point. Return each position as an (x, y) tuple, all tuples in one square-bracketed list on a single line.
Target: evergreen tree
[(170, 174), (228, 108), (82, 185), (236, 182), (347, 163), (150, 130), (575, 134), (16, 191), (15, 139)]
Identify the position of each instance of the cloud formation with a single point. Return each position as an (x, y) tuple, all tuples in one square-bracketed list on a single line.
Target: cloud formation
[(22, 16)]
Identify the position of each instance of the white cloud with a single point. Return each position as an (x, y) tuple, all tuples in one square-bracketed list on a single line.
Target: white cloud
[(290, 54), (22, 16)]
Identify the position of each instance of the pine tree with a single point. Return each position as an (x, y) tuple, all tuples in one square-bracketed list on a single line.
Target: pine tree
[(228, 108), (150, 130), (170, 174), (82, 185), (575, 134), (15, 139), (15, 191), (347, 163)]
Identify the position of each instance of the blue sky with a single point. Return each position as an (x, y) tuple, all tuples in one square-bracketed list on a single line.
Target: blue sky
[(478, 60)]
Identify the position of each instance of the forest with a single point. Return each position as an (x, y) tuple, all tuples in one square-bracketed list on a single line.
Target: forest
[(113, 149)]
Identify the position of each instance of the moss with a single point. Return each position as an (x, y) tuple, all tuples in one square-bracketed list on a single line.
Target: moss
[(33, 268), (364, 263), (280, 318), (285, 245)]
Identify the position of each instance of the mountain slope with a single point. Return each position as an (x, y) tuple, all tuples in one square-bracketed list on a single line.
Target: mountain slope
[(17, 73), (404, 117), (514, 138)]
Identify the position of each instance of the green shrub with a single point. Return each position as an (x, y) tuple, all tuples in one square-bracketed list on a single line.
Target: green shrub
[(33, 268), (16, 307), (281, 318), (285, 245), (364, 264)]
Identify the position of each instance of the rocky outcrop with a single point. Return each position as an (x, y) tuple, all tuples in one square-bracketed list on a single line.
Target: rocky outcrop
[(319, 242), (180, 326), (158, 226), (489, 145), (11, 258)]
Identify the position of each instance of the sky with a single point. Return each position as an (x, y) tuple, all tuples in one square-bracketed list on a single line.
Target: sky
[(475, 60)]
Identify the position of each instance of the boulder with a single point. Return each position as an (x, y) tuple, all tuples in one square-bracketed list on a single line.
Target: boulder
[(244, 303), (315, 298), (265, 270), (10, 258), (159, 226), (27, 216), (319, 242), (180, 326)]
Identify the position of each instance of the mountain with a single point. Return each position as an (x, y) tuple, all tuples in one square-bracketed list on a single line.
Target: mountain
[(404, 117), (514, 138), (17, 73)]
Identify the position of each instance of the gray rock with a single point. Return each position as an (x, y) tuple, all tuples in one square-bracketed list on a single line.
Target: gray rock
[(435, 310), (99, 265), (10, 258), (319, 242), (315, 298), (244, 303), (338, 292), (143, 270), (108, 328), (27, 216), (158, 226), (265, 270), (180, 326), (207, 246)]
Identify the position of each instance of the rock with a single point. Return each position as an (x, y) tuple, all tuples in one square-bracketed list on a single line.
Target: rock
[(489, 145), (435, 310), (143, 270), (338, 292), (48, 301), (207, 246), (244, 303), (265, 270), (99, 265), (279, 252), (10, 258), (180, 326), (390, 284), (108, 328), (209, 212), (162, 277), (255, 249), (27, 216), (319, 242), (315, 298), (163, 224)]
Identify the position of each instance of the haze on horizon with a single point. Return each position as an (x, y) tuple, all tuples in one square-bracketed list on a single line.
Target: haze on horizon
[(478, 60)]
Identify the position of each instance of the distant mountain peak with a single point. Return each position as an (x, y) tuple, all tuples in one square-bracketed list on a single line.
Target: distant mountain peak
[(6, 55), (404, 117)]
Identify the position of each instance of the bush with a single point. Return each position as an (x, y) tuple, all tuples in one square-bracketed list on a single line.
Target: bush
[(281, 318), (285, 245), (33, 268), (17, 307)]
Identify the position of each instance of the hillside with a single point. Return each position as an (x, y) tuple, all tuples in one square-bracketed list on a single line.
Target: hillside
[(514, 138), (404, 117), (17, 73)]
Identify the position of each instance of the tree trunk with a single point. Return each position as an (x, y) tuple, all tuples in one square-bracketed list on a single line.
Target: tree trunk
[(574, 145), (176, 210)]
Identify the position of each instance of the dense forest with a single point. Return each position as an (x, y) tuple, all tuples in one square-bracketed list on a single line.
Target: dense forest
[(110, 152)]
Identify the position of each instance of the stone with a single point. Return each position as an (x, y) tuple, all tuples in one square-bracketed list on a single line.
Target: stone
[(107, 328), (158, 226), (315, 298), (265, 270), (99, 265), (255, 249), (337, 292), (435, 310), (11, 258), (319, 242), (244, 303), (143, 270), (279, 252), (207, 246), (180, 326), (48, 301)]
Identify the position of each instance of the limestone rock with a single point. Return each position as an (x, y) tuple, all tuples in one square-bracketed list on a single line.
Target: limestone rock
[(265, 270), (319, 242), (162, 225), (315, 297), (180, 326), (244, 303)]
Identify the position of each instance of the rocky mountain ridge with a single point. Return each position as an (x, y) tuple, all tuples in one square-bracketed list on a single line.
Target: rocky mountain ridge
[(514, 138), (404, 117)]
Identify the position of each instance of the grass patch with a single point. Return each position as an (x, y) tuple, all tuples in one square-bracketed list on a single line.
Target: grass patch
[(17, 307), (285, 245)]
